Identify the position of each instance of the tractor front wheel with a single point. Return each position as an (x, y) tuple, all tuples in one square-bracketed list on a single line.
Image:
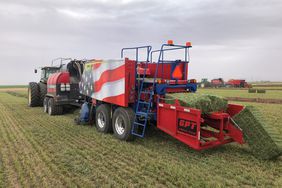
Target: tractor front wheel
[(123, 119), (33, 94), (43, 92)]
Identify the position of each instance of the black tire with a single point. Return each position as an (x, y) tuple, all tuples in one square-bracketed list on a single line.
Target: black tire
[(92, 115), (103, 119), (54, 109), (43, 92), (123, 119), (45, 104), (33, 94)]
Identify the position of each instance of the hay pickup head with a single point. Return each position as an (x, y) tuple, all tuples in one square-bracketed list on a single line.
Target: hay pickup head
[(199, 131)]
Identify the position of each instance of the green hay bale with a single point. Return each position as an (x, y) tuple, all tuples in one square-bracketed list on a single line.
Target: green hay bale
[(205, 103), (261, 91), (265, 143), (252, 90)]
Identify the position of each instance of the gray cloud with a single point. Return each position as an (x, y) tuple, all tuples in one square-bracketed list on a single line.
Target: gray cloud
[(231, 38)]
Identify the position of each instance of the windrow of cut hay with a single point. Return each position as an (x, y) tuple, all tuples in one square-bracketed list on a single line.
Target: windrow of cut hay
[(264, 141), (206, 103)]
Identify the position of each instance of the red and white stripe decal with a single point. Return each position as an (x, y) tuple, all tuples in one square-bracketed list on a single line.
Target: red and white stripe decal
[(109, 76), (105, 81), (107, 65), (110, 89)]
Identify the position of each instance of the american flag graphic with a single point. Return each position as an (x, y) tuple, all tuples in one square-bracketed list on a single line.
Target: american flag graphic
[(104, 81)]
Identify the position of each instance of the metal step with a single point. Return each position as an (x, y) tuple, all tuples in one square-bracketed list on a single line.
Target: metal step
[(140, 113)]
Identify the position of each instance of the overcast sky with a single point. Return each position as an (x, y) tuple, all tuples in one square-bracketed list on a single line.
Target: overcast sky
[(231, 38)]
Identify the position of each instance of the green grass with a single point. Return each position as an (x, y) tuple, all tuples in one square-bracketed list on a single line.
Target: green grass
[(268, 88), (270, 94), (39, 150), (13, 86)]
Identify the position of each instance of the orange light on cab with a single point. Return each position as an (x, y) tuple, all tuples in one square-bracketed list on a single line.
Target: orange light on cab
[(188, 44), (170, 42)]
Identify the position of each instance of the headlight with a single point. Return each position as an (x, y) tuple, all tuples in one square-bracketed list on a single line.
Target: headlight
[(63, 87), (67, 87)]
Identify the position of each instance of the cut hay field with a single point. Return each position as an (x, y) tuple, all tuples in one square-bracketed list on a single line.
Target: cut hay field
[(37, 150), (270, 94)]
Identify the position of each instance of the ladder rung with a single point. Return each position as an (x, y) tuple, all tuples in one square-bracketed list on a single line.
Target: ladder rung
[(140, 124), (147, 92), (136, 134), (139, 113), (143, 102)]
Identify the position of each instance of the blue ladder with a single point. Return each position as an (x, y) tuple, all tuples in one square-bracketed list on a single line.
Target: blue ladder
[(143, 107), (142, 115)]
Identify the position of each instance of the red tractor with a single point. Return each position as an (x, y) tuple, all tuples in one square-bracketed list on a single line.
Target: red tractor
[(237, 83), (58, 86), (217, 83), (37, 91), (63, 88)]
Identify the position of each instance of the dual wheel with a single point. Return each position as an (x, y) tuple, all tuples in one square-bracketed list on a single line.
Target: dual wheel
[(50, 107), (36, 93), (120, 122)]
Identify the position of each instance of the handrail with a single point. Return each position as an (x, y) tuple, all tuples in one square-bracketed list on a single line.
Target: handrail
[(61, 60), (176, 47), (149, 48)]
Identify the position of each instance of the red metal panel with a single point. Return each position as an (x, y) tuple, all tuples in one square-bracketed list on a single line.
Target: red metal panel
[(55, 79), (189, 126), (166, 68), (169, 119), (130, 81)]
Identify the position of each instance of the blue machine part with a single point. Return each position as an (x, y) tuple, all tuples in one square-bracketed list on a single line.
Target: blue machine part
[(84, 113), (161, 88)]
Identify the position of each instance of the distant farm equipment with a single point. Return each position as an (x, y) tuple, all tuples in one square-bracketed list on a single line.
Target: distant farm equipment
[(237, 83), (220, 83)]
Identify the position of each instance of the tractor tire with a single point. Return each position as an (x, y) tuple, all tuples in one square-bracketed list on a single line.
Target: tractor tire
[(103, 119), (123, 119), (45, 104), (33, 94), (43, 92), (53, 109)]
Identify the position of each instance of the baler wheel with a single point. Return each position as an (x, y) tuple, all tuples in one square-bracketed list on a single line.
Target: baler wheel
[(103, 119), (53, 109), (45, 104), (43, 92), (33, 94), (123, 119)]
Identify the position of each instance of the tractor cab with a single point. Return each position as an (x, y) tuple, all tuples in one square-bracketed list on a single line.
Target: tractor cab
[(57, 65), (46, 72)]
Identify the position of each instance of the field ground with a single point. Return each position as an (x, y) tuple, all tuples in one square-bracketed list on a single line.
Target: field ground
[(39, 150)]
